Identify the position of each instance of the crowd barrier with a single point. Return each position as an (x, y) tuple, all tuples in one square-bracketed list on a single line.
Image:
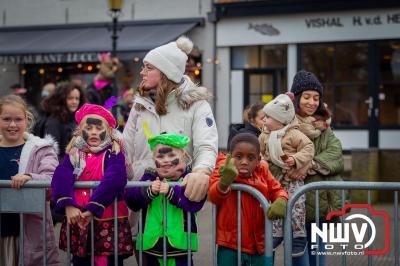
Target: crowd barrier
[(342, 186), (31, 199)]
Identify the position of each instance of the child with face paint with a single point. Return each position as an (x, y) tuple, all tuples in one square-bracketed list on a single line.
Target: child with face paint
[(95, 153), (171, 166)]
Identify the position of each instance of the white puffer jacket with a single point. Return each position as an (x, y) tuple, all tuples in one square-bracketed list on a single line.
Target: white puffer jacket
[(189, 114)]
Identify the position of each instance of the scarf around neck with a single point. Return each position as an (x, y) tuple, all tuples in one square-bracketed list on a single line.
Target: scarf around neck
[(275, 146), (79, 151), (312, 127)]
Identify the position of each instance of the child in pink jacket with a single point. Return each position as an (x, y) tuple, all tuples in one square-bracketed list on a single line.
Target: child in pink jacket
[(24, 157)]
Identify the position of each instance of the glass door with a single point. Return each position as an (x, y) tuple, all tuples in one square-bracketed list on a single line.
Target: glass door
[(262, 85)]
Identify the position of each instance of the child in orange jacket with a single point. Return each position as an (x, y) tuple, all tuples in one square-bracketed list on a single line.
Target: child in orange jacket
[(243, 166)]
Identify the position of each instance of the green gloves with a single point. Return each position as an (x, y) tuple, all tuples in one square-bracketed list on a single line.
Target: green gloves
[(228, 172), (277, 209)]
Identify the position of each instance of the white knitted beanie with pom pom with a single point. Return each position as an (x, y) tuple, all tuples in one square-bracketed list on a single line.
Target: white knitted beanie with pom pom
[(171, 58)]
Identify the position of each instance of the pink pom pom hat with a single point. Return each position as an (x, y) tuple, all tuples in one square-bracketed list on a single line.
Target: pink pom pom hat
[(94, 109)]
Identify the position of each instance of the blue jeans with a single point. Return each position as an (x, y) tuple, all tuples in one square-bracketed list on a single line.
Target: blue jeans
[(321, 247)]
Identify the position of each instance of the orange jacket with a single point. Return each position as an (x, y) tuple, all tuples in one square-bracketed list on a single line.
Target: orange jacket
[(252, 217)]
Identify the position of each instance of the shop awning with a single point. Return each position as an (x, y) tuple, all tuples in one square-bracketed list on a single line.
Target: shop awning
[(135, 37)]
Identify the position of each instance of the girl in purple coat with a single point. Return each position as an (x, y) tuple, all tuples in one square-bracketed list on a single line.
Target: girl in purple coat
[(171, 166), (94, 154)]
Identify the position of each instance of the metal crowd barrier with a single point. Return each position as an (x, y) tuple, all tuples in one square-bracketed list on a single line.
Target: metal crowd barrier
[(268, 249), (32, 199), (338, 185)]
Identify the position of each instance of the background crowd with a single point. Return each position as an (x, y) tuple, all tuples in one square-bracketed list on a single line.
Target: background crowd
[(168, 134)]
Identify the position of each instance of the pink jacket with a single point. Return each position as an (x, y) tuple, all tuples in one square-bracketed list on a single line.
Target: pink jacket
[(39, 159)]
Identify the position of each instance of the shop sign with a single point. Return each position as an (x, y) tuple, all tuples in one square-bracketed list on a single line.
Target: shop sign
[(48, 58), (310, 27)]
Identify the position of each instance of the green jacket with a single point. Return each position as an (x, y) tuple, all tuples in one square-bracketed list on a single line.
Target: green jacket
[(177, 238), (328, 153)]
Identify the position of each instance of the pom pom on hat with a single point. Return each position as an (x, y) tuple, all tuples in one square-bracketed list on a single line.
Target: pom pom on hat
[(185, 44), (304, 81), (94, 109), (171, 58), (281, 109)]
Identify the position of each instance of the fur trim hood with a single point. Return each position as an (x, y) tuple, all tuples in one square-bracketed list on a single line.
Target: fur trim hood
[(34, 141), (188, 93), (47, 141)]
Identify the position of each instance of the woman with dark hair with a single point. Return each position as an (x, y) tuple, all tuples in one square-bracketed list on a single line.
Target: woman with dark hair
[(314, 121), (253, 122), (60, 110)]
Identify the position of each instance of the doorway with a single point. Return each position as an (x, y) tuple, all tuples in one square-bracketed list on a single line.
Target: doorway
[(263, 84)]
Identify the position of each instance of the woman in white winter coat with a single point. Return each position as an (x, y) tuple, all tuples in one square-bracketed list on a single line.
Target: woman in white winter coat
[(170, 102)]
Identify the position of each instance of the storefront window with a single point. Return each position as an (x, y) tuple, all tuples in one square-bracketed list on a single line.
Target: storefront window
[(261, 86), (267, 56), (389, 88), (343, 70), (245, 57)]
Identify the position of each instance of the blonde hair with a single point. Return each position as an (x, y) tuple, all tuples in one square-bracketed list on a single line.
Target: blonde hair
[(12, 99), (165, 86)]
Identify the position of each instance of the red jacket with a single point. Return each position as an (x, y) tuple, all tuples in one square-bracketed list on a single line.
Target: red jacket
[(252, 213)]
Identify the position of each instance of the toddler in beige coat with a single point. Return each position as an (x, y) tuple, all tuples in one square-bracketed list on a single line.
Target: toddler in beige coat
[(284, 147)]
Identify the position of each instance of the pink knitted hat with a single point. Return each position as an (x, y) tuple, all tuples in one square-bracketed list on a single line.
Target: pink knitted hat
[(94, 109)]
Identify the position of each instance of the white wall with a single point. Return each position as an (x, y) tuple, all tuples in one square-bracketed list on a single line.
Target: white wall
[(353, 139), (222, 108), (389, 139), (42, 12), (47, 12), (236, 99), (9, 75)]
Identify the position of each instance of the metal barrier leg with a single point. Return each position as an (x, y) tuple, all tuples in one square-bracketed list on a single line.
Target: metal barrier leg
[(396, 228), (369, 229), (189, 229), (268, 254), (91, 238), (164, 231), (214, 231), (239, 228), (140, 238), (115, 232), (44, 229), (343, 201), (317, 223), (21, 239)]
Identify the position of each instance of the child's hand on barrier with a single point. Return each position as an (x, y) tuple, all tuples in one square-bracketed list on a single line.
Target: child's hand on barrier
[(290, 161), (277, 209), (73, 214), (156, 185), (227, 172), (19, 180), (86, 217), (164, 187)]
